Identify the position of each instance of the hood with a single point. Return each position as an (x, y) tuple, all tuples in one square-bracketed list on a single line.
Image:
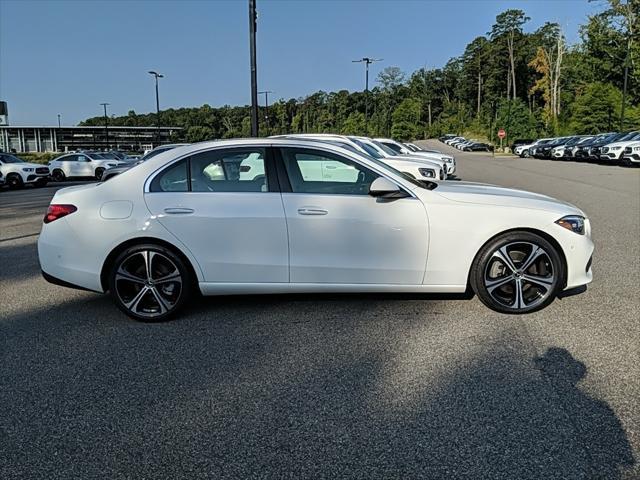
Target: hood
[(420, 158), (620, 144), (28, 165), (430, 162), (483, 194)]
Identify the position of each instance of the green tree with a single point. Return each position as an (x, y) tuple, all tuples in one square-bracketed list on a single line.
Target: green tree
[(406, 120)]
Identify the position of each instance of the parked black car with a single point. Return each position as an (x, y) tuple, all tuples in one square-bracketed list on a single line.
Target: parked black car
[(590, 150), (544, 150), (478, 147)]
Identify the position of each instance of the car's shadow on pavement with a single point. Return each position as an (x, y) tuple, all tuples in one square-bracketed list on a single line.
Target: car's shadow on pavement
[(297, 389)]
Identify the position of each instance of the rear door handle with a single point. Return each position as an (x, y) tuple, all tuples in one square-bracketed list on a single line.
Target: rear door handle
[(312, 211), (178, 211)]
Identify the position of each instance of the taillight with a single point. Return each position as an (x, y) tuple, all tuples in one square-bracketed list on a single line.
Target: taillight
[(54, 212)]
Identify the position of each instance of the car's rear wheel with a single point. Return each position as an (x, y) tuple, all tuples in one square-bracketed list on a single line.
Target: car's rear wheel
[(150, 283), (58, 175), (517, 272), (14, 181), (98, 173)]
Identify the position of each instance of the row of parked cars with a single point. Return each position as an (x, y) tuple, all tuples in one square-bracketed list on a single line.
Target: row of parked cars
[(464, 144), (408, 158), (610, 147), (16, 173)]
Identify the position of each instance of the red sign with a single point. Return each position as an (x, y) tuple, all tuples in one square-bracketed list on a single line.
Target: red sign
[(502, 133)]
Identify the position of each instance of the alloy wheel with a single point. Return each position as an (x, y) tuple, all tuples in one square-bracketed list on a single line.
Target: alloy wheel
[(148, 283), (519, 275)]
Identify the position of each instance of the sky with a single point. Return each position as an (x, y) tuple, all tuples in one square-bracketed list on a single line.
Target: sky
[(67, 57)]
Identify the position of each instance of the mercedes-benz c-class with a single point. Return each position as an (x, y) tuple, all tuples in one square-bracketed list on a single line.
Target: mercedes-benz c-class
[(289, 215)]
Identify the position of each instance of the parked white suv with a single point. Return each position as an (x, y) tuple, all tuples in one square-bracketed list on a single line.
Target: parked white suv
[(81, 164), (613, 152), (631, 154), (18, 173), (400, 149), (418, 168)]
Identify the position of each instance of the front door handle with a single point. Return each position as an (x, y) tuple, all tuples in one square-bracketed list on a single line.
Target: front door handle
[(312, 211), (178, 211)]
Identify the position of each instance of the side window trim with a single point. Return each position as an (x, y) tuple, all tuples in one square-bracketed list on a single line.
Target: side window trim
[(270, 163), (285, 183)]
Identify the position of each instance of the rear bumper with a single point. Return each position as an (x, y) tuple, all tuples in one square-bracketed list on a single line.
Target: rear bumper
[(65, 263), (62, 283)]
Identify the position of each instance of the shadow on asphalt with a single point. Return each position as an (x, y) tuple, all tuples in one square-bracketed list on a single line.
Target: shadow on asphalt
[(290, 389)]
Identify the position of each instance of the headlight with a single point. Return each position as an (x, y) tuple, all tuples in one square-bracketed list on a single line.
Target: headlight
[(637, 149), (110, 165), (427, 172), (575, 223), (615, 148), (448, 159), (27, 169)]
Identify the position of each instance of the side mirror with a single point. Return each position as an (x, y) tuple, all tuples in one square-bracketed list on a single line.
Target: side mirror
[(384, 188)]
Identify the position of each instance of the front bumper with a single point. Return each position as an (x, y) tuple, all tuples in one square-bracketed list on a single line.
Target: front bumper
[(632, 157), (35, 177), (611, 156)]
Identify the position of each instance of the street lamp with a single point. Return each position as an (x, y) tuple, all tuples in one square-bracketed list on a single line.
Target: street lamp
[(58, 120), (266, 108), (367, 61), (106, 123), (157, 76), (253, 20)]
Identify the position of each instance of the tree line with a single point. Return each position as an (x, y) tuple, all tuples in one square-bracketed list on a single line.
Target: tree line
[(531, 84)]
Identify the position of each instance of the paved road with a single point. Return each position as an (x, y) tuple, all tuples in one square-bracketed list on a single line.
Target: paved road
[(330, 386)]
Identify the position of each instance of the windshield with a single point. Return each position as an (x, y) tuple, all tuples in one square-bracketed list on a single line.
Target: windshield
[(10, 159), (367, 148), (393, 146), (385, 149), (627, 137)]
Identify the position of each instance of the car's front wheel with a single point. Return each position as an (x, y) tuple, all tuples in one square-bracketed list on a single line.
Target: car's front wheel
[(150, 283), (14, 181), (98, 173), (525, 154), (517, 272)]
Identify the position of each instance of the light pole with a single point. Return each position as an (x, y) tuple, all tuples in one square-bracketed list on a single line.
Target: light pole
[(253, 20), (106, 123), (157, 76), (266, 108), (367, 61), (624, 87), (58, 120)]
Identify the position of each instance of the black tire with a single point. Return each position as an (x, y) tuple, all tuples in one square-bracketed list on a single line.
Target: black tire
[(58, 175), (525, 154), (98, 173), (126, 282), (537, 284), (14, 181)]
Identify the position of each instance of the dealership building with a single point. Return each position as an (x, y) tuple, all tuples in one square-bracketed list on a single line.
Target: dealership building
[(24, 139)]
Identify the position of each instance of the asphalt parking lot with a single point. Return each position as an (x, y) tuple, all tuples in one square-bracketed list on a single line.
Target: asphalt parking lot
[(357, 386)]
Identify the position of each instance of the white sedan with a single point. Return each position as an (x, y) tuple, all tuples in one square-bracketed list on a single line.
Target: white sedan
[(263, 216)]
